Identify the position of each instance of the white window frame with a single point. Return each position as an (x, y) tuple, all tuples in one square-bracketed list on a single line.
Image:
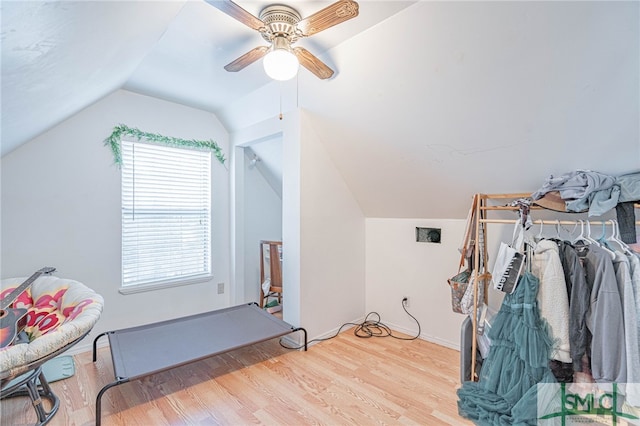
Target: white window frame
[(158, 180)]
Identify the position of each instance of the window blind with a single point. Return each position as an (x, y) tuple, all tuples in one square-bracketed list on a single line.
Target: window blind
[(166, 214)]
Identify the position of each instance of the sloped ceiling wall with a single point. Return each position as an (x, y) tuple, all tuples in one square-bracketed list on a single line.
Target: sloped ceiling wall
[(446, 99), (60, 57), (435, 102)]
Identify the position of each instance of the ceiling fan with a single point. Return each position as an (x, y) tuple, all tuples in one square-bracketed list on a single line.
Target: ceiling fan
[(282, 26)]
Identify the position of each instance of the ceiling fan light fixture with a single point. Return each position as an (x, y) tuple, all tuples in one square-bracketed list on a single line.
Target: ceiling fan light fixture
[(281, 26), (281, 63)]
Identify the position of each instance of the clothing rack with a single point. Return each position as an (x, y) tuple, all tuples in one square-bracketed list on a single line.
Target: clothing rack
[(482, 209)]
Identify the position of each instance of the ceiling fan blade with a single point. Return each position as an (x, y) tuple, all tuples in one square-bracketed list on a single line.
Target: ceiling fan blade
[(338, 12), (313, 64), (238, 13), (247, 59)]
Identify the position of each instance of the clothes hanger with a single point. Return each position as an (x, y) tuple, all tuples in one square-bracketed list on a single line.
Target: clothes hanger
[(612, 237), (604, 233), (603, 240), (611, 253), (581, 238), (588, 234), (615, 237), (570, 233), (575, 226)]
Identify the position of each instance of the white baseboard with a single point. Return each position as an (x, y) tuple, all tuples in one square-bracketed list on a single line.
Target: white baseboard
[(333, 332), (86, 345), (433, 339), (297, 341)]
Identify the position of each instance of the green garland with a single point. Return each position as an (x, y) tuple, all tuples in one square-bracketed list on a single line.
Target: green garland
[(113, 141)]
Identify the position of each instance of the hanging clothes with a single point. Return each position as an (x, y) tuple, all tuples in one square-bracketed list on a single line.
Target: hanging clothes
[(603, 336), (604, 318), (625, 213), (579, 293), (552, 297), (517, 361), (632, 333)]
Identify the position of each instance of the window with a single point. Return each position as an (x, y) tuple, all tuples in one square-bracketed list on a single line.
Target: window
[(166, 212)]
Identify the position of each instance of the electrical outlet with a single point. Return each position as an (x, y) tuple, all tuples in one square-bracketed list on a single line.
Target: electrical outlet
[(220, 288), (405, 301)]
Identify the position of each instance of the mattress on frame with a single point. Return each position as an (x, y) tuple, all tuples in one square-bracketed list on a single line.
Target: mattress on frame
[(140, 351)]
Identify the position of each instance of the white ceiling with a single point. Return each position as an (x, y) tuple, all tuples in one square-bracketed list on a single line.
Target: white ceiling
[(431, 101)]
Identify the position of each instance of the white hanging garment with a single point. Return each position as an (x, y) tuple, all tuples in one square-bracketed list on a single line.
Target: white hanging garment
[(266, 285), (553, 300)]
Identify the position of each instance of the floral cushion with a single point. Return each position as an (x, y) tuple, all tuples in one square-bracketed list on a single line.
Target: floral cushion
[(59, 312)]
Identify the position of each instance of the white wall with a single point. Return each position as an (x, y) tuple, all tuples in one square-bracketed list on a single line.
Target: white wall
[(61, 208), (322, 228), (332, 241), (288, 131), (262, 221), (398, 266)]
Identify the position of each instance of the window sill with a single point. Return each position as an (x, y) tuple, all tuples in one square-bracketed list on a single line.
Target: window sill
[(140, 288)]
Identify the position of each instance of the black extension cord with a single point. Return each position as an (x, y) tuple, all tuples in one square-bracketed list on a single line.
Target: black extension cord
[(367, 328)]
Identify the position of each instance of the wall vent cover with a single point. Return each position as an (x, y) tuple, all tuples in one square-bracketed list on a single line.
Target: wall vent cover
[(428, 235)]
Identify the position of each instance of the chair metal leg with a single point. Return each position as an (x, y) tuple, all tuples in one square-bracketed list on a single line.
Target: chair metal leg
[(28, 385)]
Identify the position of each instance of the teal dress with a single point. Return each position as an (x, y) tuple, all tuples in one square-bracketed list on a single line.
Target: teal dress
[(518, 359)]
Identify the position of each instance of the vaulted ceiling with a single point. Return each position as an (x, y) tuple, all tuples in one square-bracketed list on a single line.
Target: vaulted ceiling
[(431, 101)]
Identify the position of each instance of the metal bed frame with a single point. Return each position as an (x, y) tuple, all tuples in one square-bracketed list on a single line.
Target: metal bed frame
[(145, 350)]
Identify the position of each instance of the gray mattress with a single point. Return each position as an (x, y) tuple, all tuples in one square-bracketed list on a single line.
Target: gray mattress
[(140, 351)]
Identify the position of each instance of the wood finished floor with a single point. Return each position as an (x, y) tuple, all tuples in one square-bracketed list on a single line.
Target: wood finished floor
[(343, 381)]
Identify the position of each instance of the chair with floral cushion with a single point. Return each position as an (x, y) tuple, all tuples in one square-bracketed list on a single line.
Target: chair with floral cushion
[(60, 312)]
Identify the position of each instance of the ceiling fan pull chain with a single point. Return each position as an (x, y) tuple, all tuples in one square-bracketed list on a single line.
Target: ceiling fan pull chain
[(280, 86)]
